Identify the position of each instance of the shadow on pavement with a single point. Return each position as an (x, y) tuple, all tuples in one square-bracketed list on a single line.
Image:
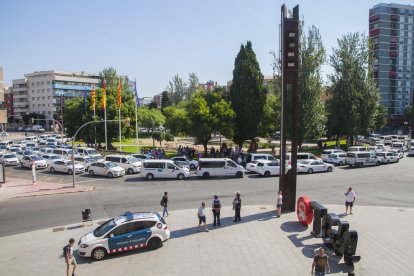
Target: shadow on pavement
[(292, 226), (225, 222)]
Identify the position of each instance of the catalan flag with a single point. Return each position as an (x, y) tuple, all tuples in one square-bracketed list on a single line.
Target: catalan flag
[(93, 98), (104, 96), (119, 94)]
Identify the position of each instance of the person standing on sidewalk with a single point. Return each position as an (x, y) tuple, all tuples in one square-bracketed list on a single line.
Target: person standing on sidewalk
[(69, 257), (237, 207), (164, 203), (320, 263), (216, 206), (279, 204), (350, 199), (201, 213)]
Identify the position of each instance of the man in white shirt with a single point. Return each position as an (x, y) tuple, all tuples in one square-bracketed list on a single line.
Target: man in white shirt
[(350, 199)]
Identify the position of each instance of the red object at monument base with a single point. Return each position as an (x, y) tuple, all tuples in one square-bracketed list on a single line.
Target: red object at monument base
[(304, 211)]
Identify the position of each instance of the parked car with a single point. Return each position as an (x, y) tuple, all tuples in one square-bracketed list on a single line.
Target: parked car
[(9, 159), (411, 148), (65, 166), (184, 161), (311, 166), (357, 148), (398, 146), (39, 162), (163, 169), (256, 156), (302, 156), (141, 157), (387, 157), (326, 153), (268, 168), (106, 168), (252, 166), (397, 151), (137, 230), (337, 158), (88, 152), (219, 167)]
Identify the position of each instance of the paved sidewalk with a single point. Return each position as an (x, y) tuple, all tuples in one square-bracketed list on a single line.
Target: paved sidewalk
[(16, 188), (260, 245)]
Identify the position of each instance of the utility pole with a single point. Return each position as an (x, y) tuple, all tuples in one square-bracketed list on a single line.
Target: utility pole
[(289, 36)]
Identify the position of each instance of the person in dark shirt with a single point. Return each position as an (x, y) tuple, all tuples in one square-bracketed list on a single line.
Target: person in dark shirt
[(237, 207), (164, 203), (320, 263)]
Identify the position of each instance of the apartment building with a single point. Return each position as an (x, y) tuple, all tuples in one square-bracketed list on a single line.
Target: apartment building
[(45, 92), (3, 111), (391, 30)]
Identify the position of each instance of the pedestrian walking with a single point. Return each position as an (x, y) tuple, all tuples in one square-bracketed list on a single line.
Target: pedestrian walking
[(350, 199), (216, 207), (164, 203), (69, 257), (237, 207), (320, 263), (201, 213), (279, 203)]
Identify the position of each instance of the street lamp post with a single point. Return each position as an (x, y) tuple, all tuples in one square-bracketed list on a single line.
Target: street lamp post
[(127, 120)]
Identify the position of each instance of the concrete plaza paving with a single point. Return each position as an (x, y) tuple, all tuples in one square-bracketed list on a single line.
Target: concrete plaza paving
[(260, 245)]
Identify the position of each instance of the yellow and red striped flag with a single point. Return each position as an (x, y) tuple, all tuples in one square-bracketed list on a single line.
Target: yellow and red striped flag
[(93, 98), (104, 96), (119, 93)]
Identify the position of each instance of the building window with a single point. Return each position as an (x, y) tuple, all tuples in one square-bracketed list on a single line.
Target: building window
[(49, 112), (48, 90), (43, 90), (48, 82)]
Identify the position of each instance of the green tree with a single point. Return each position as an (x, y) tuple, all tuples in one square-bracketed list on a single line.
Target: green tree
[(166, 101), (312, 115), (176, 119), (270, 121), (159, 136), (152, 105), (150, 118), (353, 105), (177, 88), (247, 94), (192, 85), (380, 120), (208, 112)]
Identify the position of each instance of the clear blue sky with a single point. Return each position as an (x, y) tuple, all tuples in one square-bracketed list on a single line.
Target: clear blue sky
[(152, 40)]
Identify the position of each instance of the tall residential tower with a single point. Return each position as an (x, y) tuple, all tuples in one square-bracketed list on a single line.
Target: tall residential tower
[(391, 30)]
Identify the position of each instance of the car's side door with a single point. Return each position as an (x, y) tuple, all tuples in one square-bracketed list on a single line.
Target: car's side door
[(141, 233), (119, 237), (26, 161), (170, 171), (59, 166)]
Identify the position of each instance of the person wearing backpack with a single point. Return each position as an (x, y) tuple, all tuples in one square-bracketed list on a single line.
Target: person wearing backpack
[(216, 206), (69, 257), (237, 207), (164, 203)]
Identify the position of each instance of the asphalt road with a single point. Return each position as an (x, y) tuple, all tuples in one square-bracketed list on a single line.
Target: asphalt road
[(386, 185)]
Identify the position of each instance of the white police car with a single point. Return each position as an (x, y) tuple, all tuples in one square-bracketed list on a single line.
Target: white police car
[(123, 233)]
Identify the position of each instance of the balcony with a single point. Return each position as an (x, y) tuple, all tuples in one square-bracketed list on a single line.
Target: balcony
[(392, 74), (394, 17), (374, 18), (71, 87), (393, 53), (374, 32)]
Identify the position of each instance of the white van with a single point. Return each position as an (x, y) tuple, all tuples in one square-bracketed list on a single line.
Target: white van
[(362, 158), (31, 139), (89, 152), (358, 148), (127, 162), (302, 156), (152, 168), (219, 167), (64, 153)]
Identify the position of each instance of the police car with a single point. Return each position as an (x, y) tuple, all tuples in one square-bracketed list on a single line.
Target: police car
[(123, 233)]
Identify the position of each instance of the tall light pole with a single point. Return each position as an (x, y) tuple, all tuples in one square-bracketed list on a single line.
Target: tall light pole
[(126, 120)]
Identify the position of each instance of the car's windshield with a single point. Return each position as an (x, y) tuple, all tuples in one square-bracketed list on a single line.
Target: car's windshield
[(36, 158), (89, 159), (305, 162), (178, 165), (132, 160), (110, 165), (397, 145), (9, 156), (91, 151), (104, 228), (54, 157)]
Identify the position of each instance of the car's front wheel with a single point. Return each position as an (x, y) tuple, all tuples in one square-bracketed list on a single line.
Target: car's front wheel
[(341, 163), (150, 176), (180, 176), (239, 174), (91, 173), (267, 174), (310, 171), (70, 172), (130, 171), (52, 170), (329, 169), (99, 253), (110, 175)]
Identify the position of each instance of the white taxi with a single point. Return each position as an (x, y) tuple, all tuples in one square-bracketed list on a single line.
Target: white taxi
[(65, 166), (268, 168), (309, 166), (106, 168), (123, 233)]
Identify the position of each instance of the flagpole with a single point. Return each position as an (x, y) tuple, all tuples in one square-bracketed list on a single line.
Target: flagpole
[(94, 114), (120, 135), (136, 114), (106, 136)]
